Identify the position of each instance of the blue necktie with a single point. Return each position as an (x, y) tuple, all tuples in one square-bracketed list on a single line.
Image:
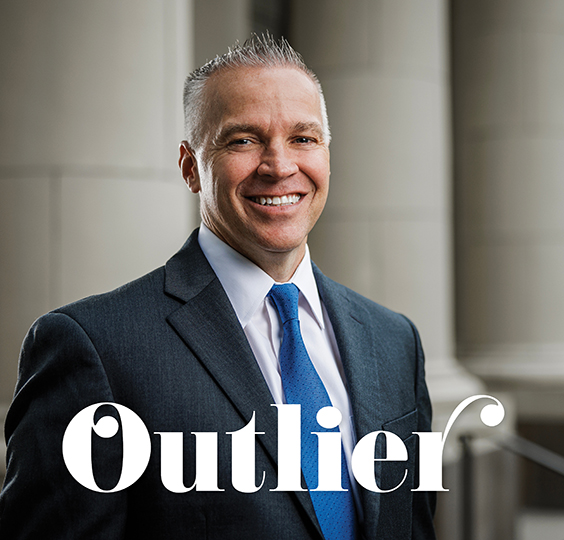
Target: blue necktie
[(302, 385)]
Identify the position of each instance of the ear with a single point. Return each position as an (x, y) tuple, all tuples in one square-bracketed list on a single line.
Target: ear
[(189, 167)]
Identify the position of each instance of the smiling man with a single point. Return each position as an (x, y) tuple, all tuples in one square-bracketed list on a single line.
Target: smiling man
[(238, 322), (262, 168)]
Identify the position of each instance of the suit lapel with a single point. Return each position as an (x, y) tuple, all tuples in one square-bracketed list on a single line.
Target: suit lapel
[(361, 355), (209, 327)]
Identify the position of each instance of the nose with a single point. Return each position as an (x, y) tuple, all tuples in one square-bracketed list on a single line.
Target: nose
[(277, 162)]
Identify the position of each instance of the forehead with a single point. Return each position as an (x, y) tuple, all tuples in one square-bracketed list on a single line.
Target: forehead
[(262, 93)]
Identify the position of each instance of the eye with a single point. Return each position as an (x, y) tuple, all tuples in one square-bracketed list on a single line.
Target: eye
[(240, 142), (304, 140)]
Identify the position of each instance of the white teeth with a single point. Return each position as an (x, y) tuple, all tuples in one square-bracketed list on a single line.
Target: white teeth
[(277, 201)]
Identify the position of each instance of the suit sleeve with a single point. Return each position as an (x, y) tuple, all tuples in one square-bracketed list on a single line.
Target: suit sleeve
[(424, 502), (60, 373)]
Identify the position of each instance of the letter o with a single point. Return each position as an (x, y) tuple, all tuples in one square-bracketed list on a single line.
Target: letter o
[(77, 446)]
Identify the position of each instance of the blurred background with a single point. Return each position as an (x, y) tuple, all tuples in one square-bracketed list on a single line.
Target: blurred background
[(447, 196)]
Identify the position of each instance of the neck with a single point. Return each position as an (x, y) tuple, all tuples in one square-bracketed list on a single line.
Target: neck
[(279, 266)]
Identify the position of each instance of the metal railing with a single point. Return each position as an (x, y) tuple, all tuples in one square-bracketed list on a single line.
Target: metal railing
[(512, 443)]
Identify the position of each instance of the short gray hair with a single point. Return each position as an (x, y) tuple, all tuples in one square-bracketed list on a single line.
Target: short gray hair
[(258, 51)]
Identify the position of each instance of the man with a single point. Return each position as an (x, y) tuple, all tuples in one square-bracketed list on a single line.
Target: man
[(211, 341)]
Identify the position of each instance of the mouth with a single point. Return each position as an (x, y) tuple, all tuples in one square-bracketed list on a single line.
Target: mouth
[(284, 200)]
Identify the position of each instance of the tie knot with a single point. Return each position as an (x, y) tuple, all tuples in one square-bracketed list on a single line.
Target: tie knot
[(285, 299)]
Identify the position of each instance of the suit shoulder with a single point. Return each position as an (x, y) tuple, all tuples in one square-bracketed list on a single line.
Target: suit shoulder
[(132, 297), (376, 312)]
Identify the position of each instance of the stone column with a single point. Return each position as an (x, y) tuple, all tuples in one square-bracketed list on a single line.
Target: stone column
[(386, 231), (90, 120), (509, 110), (219, 24)]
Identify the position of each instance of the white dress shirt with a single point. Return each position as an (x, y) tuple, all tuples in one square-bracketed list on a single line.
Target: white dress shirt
[(247, 287)]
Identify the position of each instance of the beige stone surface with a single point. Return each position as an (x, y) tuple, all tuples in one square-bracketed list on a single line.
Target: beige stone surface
[(388, 149), (543, 81), (88, 74), (115, 230), (332, 34), (91, 117), (26, 219), (408, 36), (220, 23), (509, 115)]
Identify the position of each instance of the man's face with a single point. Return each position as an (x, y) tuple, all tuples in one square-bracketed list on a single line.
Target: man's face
[(263, 169)]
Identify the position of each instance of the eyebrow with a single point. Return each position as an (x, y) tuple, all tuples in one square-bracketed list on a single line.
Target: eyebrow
[(231, 129), (309, 126)]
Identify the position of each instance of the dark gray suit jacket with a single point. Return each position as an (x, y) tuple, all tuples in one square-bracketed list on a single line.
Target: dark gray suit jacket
[(169, 347)]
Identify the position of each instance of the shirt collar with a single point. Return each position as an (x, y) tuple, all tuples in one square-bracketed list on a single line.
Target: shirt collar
[(247, 285)]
